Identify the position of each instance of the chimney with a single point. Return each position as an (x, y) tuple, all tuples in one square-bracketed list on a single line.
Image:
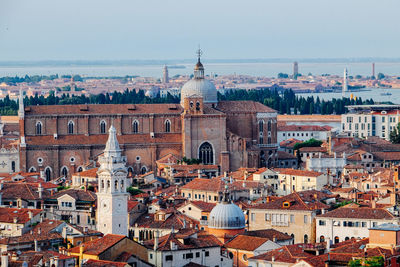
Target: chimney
[(323, 211), (15, 219), (328, 244), (30, 215), (40, 190), (36, 245), (64, 233), (273, 259), (274, 238), (81, 250), (155, 240), (4, 260), (373, 204), (198, 173), (39, 231)]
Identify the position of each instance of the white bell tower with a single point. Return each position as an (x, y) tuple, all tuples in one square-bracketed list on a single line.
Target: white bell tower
[(112, 198)]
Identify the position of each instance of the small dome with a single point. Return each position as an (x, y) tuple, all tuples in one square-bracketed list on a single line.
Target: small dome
[(200, 87), (226, 216), (198, 66)]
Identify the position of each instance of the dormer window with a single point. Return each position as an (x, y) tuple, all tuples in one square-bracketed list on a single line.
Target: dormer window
[(70, 127)]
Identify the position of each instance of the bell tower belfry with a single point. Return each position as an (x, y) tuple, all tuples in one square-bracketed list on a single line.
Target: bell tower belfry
[(112, 198)]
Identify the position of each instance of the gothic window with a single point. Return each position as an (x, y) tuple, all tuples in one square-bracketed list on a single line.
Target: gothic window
[(197, 105), (130, 172), (13, 166), (305, 239), (122, 185), (143, 170), (38, 128), (102, 127), (261, 126), (269, 126), (108, 184), (167, 126), (70, 127), (32, 169), (47, 173), (135, 126), (261, 138), (116, 185), (64, 171), (102, 184), (206, 154)]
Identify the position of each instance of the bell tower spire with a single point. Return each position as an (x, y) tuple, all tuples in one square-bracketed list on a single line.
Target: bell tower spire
[(199, 69), (112, 198), (21, 111)]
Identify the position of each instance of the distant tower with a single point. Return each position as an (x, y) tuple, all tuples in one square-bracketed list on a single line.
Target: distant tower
[(295, 69), (112, 198), (373, 70), (73, 86), (21, 116), (165, 74), (344, 88)]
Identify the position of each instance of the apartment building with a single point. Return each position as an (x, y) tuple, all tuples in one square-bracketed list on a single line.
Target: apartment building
[(371, 120)]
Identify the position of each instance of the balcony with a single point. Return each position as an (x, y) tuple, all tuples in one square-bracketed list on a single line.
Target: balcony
[(268, 145), (275, 223)]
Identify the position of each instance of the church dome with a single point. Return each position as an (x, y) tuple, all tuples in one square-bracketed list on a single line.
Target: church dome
[(200, 87), (226, 216)]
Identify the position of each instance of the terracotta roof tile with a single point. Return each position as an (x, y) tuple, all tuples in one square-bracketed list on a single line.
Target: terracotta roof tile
[(98, 246), (7, 215), (297, 172), (359, 213)]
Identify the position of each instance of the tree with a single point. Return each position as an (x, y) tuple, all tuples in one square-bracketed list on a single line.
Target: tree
[(394, 135), (310, 143), (381, 76), (283, 75)]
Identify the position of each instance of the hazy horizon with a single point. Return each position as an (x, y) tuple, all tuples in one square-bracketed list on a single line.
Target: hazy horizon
[(226, 29)]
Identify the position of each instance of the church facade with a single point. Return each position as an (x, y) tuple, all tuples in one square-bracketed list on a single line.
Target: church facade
[(64, 139)]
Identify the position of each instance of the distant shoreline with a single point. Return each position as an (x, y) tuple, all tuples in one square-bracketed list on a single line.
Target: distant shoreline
[(172, 62)]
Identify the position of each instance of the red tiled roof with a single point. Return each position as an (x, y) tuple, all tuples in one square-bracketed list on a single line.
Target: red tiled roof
[(284, 155), (244, 242), (269, 234), (308, 128), (287, 254), (218, 185), (87, 173), (243, 106), (204, 206), (312, 149), (289, 143), (98, 246), (305, 200), (103, 263), (7, 215), (104, 109), (297, 172), (359, 213), (77, 194)]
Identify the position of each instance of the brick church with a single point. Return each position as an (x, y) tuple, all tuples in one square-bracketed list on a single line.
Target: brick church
[(63, 139)]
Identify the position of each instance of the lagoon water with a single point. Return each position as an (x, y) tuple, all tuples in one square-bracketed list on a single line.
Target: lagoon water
[(254, 69)]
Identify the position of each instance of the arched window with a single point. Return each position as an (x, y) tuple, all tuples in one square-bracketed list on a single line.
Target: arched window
[(305, 239), (102, 184), (70, 127), (206, 154), (197, 105), (167, 126), (64, 171), (261, 138), (13, 166), (143, 170), (261, 126), (116, 185), (103, 127), (130, 172), (122, 185), (80, 169), (322, 238), (336, 239), (38, 128), (135, 126), (32, 169), (108, 184), (47, 173), (269, 126), (346, 238)]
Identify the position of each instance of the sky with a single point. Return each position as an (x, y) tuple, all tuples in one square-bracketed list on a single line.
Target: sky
[(173, 29)]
